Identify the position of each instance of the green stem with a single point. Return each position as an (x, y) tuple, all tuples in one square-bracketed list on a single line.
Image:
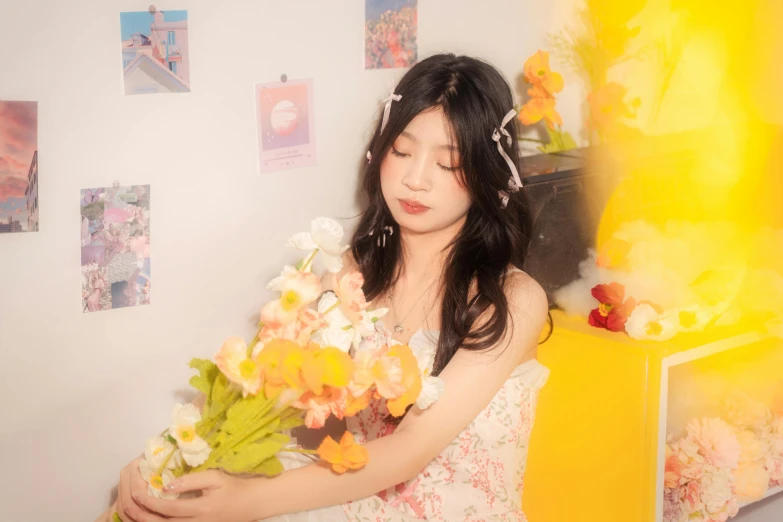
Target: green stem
[(165, 462), (309, 260)]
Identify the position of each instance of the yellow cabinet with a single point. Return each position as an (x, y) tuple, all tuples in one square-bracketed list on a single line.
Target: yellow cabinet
[(598, 443)]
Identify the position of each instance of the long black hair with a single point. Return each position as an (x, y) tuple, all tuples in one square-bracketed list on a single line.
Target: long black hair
[(475, 98)]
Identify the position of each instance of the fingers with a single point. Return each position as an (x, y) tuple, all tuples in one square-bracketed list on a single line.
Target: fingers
[(180, 508), (195, 482)]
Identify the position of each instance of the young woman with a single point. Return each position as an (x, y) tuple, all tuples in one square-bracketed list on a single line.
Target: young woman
[(441, 245)]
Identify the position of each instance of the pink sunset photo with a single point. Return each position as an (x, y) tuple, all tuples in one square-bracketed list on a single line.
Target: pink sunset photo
[(18, 166)]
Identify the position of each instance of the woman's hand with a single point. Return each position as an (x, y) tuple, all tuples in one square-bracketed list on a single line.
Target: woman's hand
[(224, 498), (131, 485)]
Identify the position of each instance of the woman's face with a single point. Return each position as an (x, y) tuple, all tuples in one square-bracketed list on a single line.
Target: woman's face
[(421, 176)]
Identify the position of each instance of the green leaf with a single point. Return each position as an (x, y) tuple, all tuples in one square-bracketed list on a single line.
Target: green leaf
[(219, 396), (249, 457), (558, 141), (290, 423), (270, 467), (171, 439), (247, 413), (208, 371), (116, 518)]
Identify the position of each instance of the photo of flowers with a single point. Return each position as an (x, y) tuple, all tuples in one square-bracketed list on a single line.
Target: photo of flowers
[(115, 243), (155, 55), (18, 166), (286, 126), (390, 28)]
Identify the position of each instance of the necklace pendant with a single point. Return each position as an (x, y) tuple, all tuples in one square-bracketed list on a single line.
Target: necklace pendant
[(398, 328)]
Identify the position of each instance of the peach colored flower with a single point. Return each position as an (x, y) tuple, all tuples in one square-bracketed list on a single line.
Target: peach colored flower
[(347, 455), (751, 448), (233, 360), (672, 469), (751, 482), (691, 496), (333, 401), (717, 441), (349, 292)]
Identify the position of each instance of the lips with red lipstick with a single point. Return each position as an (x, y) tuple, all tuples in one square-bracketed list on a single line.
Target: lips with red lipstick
[(413, 207)]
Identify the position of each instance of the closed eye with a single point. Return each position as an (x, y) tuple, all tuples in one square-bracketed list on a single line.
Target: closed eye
[(398, 153), (448, 169)]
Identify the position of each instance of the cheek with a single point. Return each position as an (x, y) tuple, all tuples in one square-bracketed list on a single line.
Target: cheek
[(455, 193)]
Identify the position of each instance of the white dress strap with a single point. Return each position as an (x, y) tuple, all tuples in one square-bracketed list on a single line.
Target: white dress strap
[(532, 373)]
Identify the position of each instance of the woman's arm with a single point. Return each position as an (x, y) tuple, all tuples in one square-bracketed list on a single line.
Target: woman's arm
[(471, 380)]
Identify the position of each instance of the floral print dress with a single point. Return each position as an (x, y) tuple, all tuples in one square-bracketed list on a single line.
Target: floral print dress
[(478, 477)]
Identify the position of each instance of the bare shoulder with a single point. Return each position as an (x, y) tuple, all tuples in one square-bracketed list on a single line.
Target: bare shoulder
[(526, 298), (528, 309)]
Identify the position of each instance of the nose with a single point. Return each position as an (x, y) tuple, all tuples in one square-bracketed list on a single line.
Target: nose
[(417, 178)]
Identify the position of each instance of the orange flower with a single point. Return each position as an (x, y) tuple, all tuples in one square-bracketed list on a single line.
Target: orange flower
[(345, 455), (545, 83), (607, 105), (411, 380), (354, 405), (537, 109)]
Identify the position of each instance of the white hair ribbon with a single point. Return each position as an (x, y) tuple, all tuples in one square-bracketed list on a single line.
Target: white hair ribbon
[(387, 109), (514, 183)]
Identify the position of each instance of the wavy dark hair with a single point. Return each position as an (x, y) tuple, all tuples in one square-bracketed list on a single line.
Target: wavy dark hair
[(474, 97)]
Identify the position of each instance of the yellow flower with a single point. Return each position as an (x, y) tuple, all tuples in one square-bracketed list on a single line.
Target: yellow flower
[(329, 366), (280, 360), (347, 455)]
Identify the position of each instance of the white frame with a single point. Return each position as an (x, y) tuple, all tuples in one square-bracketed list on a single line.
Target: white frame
[(676, 359)]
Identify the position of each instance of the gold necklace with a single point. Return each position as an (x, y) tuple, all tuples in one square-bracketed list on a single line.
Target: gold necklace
[(398, 327)]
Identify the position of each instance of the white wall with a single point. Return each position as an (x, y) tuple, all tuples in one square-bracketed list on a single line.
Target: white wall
[(81, 392)]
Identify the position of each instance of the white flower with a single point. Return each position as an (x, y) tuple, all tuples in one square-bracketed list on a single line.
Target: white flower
[(366, 326), (431, 387), (325, 235), (645, 323), (195, 450), (337, 337), (156, 481), (158, 451)]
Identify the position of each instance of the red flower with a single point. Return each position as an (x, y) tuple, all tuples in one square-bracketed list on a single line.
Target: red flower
[(612, 313)]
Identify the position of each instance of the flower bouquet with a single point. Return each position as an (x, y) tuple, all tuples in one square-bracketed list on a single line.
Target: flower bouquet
[(310, 358)]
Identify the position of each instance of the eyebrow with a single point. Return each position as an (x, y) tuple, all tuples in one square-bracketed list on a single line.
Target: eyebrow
[(415, 140)]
